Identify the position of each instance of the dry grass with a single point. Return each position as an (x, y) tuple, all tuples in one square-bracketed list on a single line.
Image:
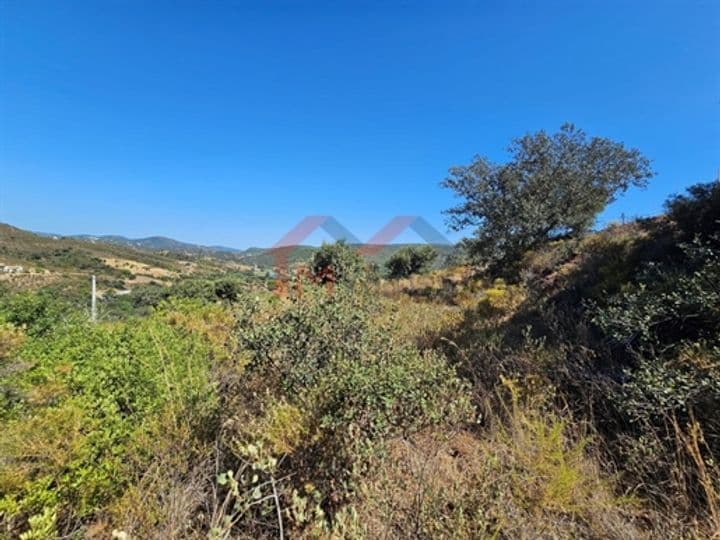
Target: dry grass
[(169, 498), (527, 478), (32, 280), (11, 339), (139, 269), (421, 322)]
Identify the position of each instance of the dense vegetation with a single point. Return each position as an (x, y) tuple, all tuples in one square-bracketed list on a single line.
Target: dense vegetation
[(410, 260), (554, 186), (41, 254), (574, 397)]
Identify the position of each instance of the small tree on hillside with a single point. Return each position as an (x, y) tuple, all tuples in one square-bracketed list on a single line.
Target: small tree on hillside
[(410, 260), (697, 213), (338, 260), (553, 186)]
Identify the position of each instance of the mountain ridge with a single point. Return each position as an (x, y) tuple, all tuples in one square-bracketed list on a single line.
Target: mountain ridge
[(258, 256), (163, 243)]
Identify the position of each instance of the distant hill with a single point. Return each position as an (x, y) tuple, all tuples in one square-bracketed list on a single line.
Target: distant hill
[(121, 263), (254, 256), (47, 259), (52, 252), (153, 243)]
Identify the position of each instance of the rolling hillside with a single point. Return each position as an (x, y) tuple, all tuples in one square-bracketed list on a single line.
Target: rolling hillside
[(45, 253), (157, 243), (49, 260), (254, 256), (121, 263)]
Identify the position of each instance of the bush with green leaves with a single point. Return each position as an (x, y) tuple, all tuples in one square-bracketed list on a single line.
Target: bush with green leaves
[(389, 392), (84, 398), (351, 381), (143, 298), (697, 213), (669, 305), (338, 262), (671, 311), (666, 328), (39, 311), (410, 260), (297, 343), (687, 383), (329, 347)]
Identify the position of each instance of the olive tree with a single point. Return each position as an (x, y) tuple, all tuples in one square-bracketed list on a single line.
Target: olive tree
[(552, 186), (338, 262), (410, 260)]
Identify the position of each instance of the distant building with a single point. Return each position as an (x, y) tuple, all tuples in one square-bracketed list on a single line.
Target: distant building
[(10, 269)]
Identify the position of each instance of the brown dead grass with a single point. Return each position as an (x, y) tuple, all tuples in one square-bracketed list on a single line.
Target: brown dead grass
[(531, 474), (140, 269), (32, 280)]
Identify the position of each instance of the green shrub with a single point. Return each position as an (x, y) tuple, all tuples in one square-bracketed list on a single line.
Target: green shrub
[(668, 325), (389, 392), (345, 380), (668, 305), (679, 385), (298, 342), (410, 260), (698, 212), (11, 338), (149, 295), (338, 262), (228, 289), (88, 393), (38, 311)]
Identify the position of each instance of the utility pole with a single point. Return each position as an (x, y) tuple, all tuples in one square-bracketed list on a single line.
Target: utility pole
[(93, 302)]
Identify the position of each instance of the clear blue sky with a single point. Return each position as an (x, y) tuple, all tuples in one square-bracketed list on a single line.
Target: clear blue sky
[(222, 122)]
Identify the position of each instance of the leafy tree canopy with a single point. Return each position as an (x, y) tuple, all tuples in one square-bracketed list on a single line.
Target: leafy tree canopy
[(552, 186), (338, 262), (410, 260), (697, 213)]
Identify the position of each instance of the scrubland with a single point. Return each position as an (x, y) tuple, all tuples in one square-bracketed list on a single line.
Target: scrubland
[(578, 400)]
